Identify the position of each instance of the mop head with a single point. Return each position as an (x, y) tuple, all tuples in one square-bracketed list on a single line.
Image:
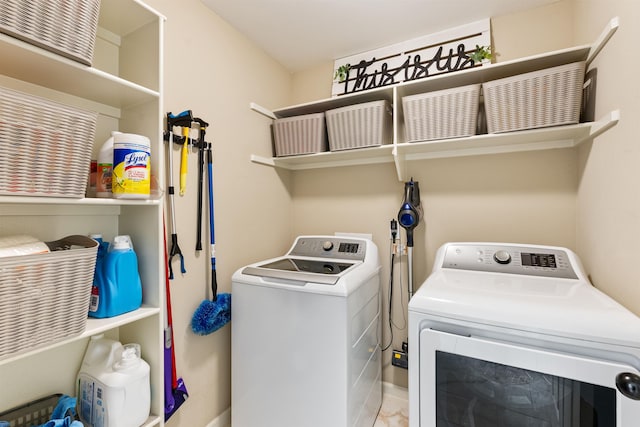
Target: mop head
[(212, 315)]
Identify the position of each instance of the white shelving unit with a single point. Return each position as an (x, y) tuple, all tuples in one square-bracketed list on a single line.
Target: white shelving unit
[(400, 152), (124, 86)]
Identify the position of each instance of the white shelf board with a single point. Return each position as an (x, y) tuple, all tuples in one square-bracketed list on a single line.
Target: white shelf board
[(361, 156), (385, 93), (401, 152), (527, 140), (28, 200), (539, 139), (489, 72), (94, 326), (26, 63)]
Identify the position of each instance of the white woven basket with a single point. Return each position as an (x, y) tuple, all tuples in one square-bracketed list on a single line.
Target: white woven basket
[(304, 134), (45, 147), (449, 113), (361, 125), (44, 298), (67, 27), (548, 97)]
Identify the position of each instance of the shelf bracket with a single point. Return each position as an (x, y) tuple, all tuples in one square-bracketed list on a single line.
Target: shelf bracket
[(599, 44), (602, 125), (264, 111), (263, 160), (400, 162)]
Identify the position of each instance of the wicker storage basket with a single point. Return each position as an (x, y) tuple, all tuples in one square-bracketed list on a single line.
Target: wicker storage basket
[(449, 113), (548, 97), (304, 134), (44, 298), (67, 27), (33, 413), (45, 147), (361, 125)]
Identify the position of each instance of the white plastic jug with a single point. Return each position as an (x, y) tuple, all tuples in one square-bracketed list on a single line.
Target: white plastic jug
[(114, 389)]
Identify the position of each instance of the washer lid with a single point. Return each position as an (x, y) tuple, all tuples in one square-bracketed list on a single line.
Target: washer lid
[(550, 306), (326, 272)]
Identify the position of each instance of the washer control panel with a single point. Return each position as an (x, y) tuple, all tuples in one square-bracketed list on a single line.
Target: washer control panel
[(329, 247), (513, 259)]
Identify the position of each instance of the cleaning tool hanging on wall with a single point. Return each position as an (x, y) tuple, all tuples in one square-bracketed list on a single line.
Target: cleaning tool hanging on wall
[(183, 119), (212, 315), (409, 218), (175, 391), (202, 145), (184, 162)]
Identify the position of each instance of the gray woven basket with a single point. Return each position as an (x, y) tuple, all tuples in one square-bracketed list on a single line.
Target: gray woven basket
[(37, 412), (304, 134), (449, 113), (67, 27), (358, 126), (44, 298), (45, 147), (548, 97)]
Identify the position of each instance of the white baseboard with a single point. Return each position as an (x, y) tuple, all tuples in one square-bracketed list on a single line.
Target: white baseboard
[(223, 420)]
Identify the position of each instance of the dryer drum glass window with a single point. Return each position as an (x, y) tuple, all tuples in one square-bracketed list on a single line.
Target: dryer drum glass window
[(474, 392)]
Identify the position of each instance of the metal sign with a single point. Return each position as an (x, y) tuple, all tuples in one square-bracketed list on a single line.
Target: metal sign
[(443, 52)]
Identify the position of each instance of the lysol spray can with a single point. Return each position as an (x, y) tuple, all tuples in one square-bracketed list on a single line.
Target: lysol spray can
[(131, 166)]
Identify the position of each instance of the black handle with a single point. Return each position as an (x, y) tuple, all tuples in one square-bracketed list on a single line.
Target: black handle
[(214, 282), (199, 213)]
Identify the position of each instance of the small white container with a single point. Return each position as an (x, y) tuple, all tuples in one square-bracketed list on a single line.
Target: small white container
[(131, 166), (114, 389)]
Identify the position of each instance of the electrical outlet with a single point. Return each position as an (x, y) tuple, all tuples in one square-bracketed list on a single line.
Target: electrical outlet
[(400, 359)]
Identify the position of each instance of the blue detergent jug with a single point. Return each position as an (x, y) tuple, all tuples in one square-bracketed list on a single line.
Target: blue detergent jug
[(97, 289), (118, 289)]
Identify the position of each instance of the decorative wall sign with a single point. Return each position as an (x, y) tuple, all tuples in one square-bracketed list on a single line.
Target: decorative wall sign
[(419, 58)]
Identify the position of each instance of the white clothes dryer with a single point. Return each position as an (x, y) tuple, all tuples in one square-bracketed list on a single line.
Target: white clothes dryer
[(306, 336), (515, 335)]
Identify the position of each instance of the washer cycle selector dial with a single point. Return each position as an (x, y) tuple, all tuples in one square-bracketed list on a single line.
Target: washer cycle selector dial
[(502, 257), (327, 245)]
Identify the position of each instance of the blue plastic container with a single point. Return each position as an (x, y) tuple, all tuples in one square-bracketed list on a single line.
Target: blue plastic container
[(117, 288)]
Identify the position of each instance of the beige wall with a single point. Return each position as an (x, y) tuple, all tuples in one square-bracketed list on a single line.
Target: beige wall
[(608, 206), (519, 197), (214, 71), (584, 201)]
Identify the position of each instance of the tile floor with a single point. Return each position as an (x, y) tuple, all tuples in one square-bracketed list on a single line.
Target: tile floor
[(395, 409)]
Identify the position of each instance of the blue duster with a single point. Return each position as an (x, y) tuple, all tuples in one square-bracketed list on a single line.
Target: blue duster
[(212, 315)]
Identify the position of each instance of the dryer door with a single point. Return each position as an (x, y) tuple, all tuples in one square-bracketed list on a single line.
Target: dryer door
[(469, 381)]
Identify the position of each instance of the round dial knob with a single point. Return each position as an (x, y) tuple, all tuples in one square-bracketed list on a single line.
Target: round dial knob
[(327, 246), (502, 257)]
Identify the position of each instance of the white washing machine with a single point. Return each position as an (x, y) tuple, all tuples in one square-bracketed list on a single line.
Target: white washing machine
[(514, 336), (306, 336)]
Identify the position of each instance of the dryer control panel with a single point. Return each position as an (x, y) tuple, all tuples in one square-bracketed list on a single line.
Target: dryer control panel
[(513, 259)]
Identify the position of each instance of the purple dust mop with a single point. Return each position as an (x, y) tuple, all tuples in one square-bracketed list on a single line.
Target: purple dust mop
[(212, 315)]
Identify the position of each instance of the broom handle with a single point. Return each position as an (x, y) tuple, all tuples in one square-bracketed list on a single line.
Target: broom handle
[(212, 234)]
